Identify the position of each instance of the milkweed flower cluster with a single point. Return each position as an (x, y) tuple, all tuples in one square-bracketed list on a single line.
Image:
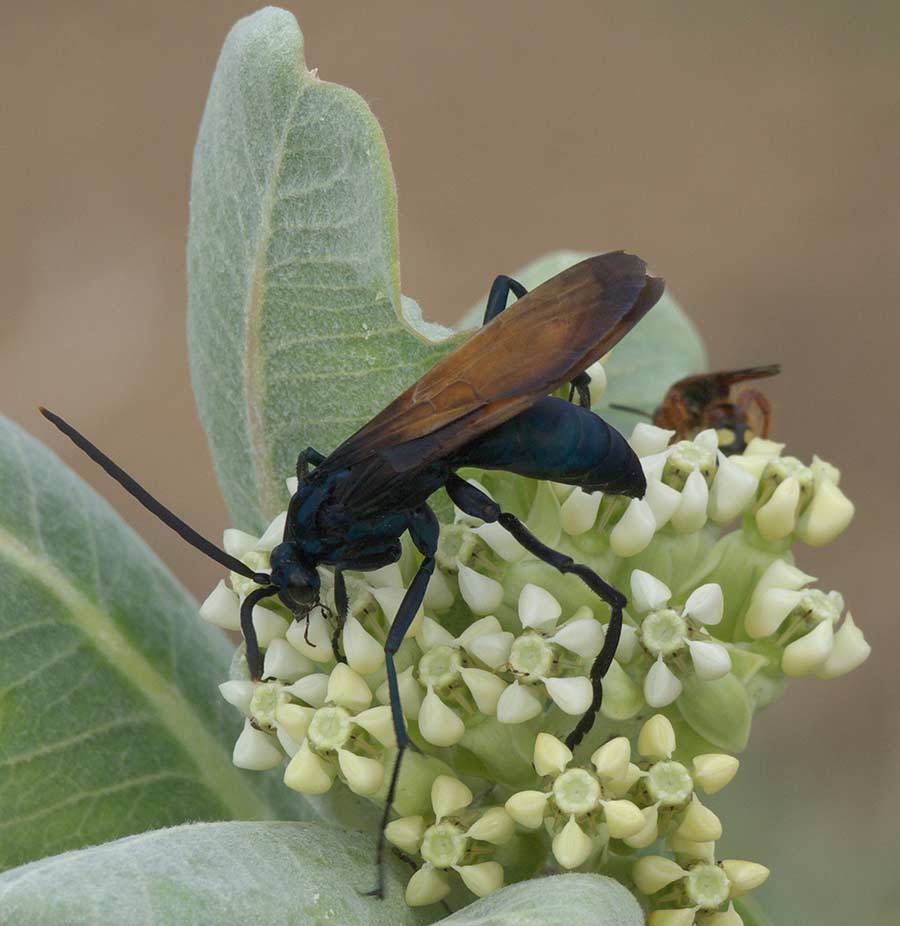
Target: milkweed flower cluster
[(495, 672)]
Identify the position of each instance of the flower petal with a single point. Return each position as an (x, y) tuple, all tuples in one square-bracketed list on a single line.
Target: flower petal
[(486, 688), (481, 879), (571, 846), (663, 501), (578, 512), (495, 826), (647, 439), (406, 833), (363, 775), (744, 876), (438, 724), (705, 604), (311, 688), (732, 490), (810, 653), (713, 771), (661, 686), (654, 872), (583, 636), (256, 750), (634, 530), (273, 534), (222, 607), (348, 689), (611, 760), (849, 652), (311, 636), (690, 515), (527, 808), (364, 653), (501, 541), (711, 660), (647, 592), (439, 595), (778, 517), (284, 662), (426, 886), (308, 773), (656, 739), (492, 648), (517, 704), (551, 755), (827, 515), (571, 695), (377, 722), (481, 593), (537, 607), (623, 818), (448, 795), (239, 693), (699, 823)]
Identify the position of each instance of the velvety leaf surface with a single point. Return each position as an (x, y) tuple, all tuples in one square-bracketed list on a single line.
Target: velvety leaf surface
[(661, 349), (211, 874), (110, 721), (296, 331), (561, 900)]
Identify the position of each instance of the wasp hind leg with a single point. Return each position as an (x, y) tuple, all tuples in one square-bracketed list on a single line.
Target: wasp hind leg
[(474, 502), (304, 459), (496, 303), (424, 529)]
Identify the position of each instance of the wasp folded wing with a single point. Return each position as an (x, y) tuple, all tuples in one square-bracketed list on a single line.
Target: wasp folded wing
[(539, 343)]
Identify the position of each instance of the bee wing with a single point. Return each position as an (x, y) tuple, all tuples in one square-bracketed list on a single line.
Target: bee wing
[(540, 342)]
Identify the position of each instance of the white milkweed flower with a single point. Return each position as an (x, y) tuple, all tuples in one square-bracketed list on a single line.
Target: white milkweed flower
[(579, 806), (667, 633), (456, 837)]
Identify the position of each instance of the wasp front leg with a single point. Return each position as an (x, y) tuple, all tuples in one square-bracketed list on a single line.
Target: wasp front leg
[(304, 458), (496, 303)]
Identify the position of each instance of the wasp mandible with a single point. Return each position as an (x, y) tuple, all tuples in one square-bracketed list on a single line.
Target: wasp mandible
[(488, 404)]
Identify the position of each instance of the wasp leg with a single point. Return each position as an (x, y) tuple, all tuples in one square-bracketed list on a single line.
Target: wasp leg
[(424, 530), (304, 458), (342, 603), (254, 657), (496, 303), (475, 503)]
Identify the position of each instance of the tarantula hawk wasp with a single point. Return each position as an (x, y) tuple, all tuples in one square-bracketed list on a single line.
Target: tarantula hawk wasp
[(486, 405)]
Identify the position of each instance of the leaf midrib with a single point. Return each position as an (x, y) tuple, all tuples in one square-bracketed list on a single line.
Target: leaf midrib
[(176, 714)]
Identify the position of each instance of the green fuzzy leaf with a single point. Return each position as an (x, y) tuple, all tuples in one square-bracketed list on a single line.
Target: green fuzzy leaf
[(110, 721), (296, 330), (211, 874), (719, 711), (561, 900), (663, 348)]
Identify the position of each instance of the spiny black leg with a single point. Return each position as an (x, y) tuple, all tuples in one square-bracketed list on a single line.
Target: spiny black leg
[(474, 502), (499, 294), (304, 458), (254, 657), (342, 604), (424, 530)]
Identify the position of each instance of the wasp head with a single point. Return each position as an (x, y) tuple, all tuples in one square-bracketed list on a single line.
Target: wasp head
[(296, 578)]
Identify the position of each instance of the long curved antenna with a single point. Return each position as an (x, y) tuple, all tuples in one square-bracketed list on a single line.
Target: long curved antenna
[(630, 408), (169, 518)]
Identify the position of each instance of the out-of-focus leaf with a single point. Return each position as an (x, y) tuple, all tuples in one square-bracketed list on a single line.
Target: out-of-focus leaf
[(561, 900), (297, 332), (110, 721), (661, 349), (211, 874)]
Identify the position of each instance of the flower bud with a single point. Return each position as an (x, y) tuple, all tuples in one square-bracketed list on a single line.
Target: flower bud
[(256, 750), (495, 826), (551, 755), (732, 490), (432, 634), (611, 760), (635, 529), (537, 607), (663, 501), (439, 595), (657, 738), (448, 795), (426, 886), (273, 534), (238, 543), (238, 693), (222, 608), (294, 719), (809, 654), (777, 518), (377, 722), (649, 832), (623, 818), (647, 592), (268, 625), (850, 651), (578, 512), (312, 689), (485, 687), (654, 465), (571, 846), (406, 833), (492, 648), (714, 770), (744, 876), (348, 689), (729, 918), (583, 636), (284, 662), (364, 653), (826, 516), (690, 849), (389, 600), (439, 725), (654, 872), (768, 611), (571, 695), (481, 593), (501, 541), (699, 823), (661, 685), (481, 879), (363, 775), (690, 515), (527, 808), (386, 577), (308, 773), (647, 439), (711, 660), (517, 704), (705, 604), (681, 917)]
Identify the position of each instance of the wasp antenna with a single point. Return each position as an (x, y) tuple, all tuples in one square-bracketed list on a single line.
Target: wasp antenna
[(630, 408), (137, 491)]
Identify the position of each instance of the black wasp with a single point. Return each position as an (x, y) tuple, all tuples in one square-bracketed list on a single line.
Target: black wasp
[(487, 405)]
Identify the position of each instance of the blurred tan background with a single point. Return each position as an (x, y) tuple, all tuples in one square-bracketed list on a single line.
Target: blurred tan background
[(748, 151)]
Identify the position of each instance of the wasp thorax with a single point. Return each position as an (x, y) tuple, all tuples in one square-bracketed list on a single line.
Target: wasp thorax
[(439, 667), (531, 655), (330, 728), (663, 632), (444, 844)]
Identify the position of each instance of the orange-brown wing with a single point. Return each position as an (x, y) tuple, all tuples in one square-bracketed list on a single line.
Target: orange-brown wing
[(533, 347)]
